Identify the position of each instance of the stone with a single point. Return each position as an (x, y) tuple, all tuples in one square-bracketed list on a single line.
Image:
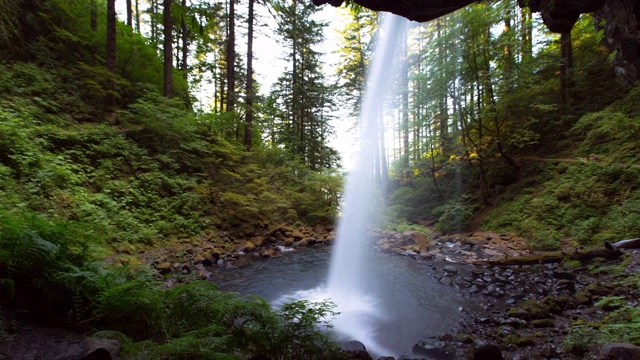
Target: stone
[(356, 350), (487, 352), (164, 267), (619, 351), (297, 235), (417, 238), (258, 240), (102, 349), (450, 269), (436, 350)]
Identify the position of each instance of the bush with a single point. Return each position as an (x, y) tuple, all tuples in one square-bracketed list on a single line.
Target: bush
[(453, 216)]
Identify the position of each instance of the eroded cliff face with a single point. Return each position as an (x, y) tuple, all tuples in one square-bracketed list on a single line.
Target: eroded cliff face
[(621, 19)]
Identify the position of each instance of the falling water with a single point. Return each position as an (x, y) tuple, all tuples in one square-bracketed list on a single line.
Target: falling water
[(349, 287)]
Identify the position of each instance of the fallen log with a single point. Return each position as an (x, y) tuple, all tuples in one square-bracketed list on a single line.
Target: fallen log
[(552, 257), (623, 244)]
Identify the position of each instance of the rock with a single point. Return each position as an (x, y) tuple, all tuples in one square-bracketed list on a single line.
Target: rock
[(535, 309), (450, 269), (619, 351), (487, 352), (102, 349), (417, 238), (595, 288), (356, 350), (301, 243), (475, 241), (583, 296), (267, 253), (164, 267), (248, 246), (297, 235), (437, 350), (258, 240), (515, 322), (542, 323)]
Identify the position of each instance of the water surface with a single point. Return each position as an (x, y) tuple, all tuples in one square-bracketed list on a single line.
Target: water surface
[(409, 306)]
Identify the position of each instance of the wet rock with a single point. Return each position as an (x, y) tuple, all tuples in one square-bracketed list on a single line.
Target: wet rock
[(301, 243), (515, 322), (450, 269), (446, 281), (436, 350), (417, 238), (248, 247), (619, 351), (356, 350), (487, 352)]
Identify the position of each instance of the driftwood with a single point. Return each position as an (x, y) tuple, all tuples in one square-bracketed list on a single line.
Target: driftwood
[(623, 244), (553, 257)]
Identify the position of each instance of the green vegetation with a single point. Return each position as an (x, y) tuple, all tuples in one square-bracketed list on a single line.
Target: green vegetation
[(622, 323), (95, 160)]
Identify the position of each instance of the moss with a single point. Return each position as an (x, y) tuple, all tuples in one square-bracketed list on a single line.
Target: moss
[(583, 296), (570, 264), (553, 303), (535, 309), (542, 323), (519, 341)]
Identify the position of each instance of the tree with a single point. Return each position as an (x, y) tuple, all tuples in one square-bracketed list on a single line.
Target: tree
[(249, 91), (111, 53), (168, 48), (302, 90), (231, 56)]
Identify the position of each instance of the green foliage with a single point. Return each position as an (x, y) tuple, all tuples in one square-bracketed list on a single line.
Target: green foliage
[(622, 324), (453, 216), (402, 225)]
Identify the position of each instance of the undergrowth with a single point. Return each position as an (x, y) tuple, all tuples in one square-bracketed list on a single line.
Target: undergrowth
[(621, 324), (48, 270)]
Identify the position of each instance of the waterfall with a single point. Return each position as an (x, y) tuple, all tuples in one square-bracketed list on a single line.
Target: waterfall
[(355, 294), (348, 284)]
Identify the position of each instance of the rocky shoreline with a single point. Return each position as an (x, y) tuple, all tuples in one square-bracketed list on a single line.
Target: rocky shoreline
[(528, 308)]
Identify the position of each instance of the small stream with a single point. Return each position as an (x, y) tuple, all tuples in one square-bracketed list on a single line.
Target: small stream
[(411, 304)]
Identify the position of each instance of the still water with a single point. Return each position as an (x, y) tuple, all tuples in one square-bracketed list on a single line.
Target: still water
[(410, 304)]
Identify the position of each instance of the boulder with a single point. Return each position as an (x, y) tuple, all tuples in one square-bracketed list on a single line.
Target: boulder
[(102, 349), (437, 350), (417, 238), (487, 352), (356, 350), (619, 351), (164, 267)]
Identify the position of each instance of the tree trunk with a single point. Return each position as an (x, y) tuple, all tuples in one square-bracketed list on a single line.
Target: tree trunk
[(184, 62), (94, 15), (137, 17), (111, 53), (566, 69), (231, 57), (129, 14), (168, 49), (248, 124), (405, 102)]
